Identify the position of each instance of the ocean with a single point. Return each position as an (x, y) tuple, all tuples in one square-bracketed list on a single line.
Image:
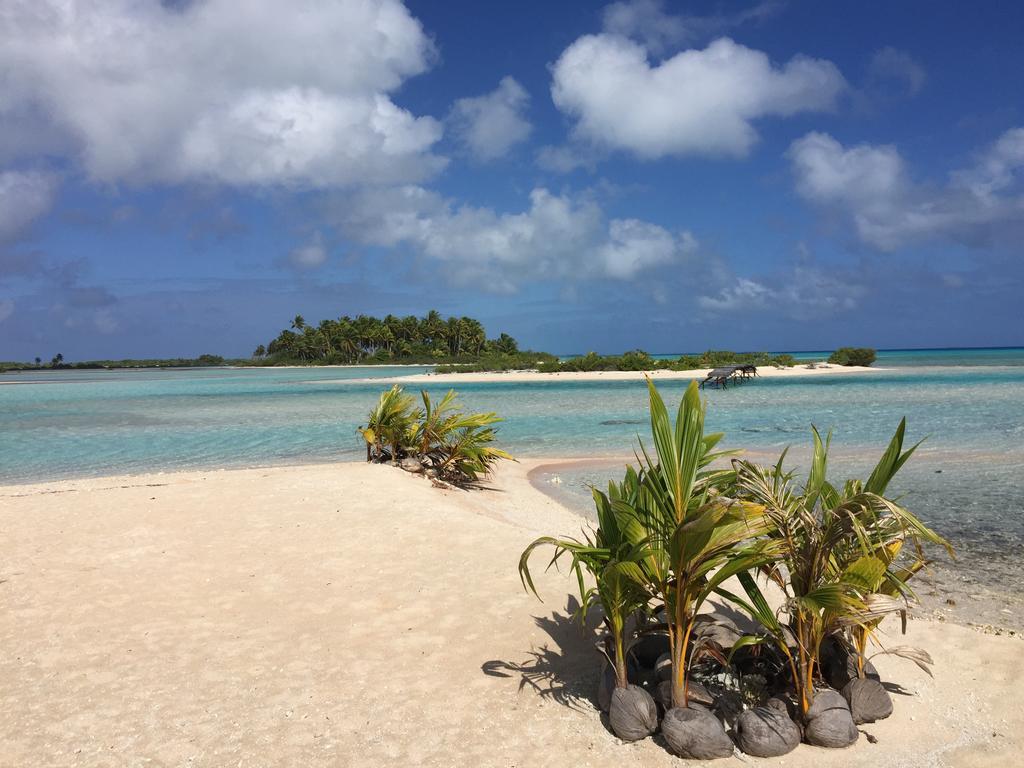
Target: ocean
[(966, 480)]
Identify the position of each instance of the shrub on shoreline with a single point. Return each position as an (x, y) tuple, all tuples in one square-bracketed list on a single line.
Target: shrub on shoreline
[(638, 360), (437, 439), (853, 356)]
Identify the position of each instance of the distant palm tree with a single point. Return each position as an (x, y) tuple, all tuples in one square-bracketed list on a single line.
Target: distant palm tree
[(432, 328), (299, 323), (57, 360), (260, 351), (39, 361)]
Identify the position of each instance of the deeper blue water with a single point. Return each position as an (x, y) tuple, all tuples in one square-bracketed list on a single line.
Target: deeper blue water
[(967, 479)]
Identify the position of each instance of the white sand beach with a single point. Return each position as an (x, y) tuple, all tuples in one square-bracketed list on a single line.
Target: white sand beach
[(767, 372), (354, 615)]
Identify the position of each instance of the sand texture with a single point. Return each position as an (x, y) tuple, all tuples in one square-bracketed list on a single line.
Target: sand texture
[(353, 615), (767, 372)]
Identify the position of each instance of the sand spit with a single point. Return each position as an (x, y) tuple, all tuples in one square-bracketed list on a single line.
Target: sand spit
[(353, 615), (516, 377)]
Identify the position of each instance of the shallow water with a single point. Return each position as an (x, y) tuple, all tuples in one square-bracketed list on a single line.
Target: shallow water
[(965, 481)]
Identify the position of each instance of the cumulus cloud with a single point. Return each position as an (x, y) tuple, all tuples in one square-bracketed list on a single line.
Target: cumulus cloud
[(872, 186), (805, 292), (490, 125), (891, 66), (309, 256), (24, 197), (646, 21), (700, 101), (634, 246), (555, 237), (649, 22), (227, 91)]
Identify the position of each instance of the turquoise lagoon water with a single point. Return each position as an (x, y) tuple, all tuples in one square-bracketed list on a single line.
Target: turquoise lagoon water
[(966, 480)]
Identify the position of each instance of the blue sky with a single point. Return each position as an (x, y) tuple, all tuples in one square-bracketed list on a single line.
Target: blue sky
[(182, 178)]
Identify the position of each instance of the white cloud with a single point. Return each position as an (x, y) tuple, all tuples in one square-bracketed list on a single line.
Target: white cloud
[(648, 22), (555, 237), (635, 245), (24, 197), (697, 102), (231, 91), (490, 125), (6, 309), (871, 185), (893, 65), (311, 255), (806, 292)]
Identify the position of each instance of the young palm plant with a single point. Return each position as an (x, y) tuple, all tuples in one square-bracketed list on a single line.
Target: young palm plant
[(614, 563), (695, 535), (390, 424), (436, 422), (834, 548), (457, 444), (881, 571)]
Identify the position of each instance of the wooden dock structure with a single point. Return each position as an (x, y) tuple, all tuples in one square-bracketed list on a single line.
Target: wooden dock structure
[(719, 378)]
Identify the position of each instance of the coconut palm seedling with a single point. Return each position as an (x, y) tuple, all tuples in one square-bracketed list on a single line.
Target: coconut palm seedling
[(696, 534), (677, 535), (614, 563), (452, 445), (458, 445), (882, 571), (390, 425), (834, 547)]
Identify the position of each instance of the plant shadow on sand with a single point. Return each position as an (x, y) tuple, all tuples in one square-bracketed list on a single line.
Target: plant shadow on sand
[(564, 669)]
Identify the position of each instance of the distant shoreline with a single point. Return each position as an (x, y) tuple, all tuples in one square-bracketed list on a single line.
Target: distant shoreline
[(766, 372)]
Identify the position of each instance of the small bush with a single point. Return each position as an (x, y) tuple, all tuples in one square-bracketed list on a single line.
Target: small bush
[(445, 443), (853, 356)]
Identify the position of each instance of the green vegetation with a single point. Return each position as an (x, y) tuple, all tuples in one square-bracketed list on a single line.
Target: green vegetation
[(853, 356), (834, 549), (437, 439), (369, 340), (638, 360), (678, 528), (58, 364)]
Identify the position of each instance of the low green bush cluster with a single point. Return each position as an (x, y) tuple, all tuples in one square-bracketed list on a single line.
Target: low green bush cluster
[(638, 360), (853, 356), (87, 365), (439, 439)]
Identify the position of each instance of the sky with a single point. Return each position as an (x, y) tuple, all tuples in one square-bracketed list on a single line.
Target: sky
[(180, 178)]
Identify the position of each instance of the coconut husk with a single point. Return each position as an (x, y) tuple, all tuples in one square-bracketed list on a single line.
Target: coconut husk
[(632, 714), (695, 733)]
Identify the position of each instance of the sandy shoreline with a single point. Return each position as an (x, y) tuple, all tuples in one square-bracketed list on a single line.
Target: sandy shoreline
[(353, 615), (766, 372)]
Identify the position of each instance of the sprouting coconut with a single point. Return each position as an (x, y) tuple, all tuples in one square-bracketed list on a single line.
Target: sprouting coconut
[(613, 561)]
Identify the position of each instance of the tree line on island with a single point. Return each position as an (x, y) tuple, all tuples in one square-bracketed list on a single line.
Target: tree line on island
[(451, 344), (460, 345), (366, 339)]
